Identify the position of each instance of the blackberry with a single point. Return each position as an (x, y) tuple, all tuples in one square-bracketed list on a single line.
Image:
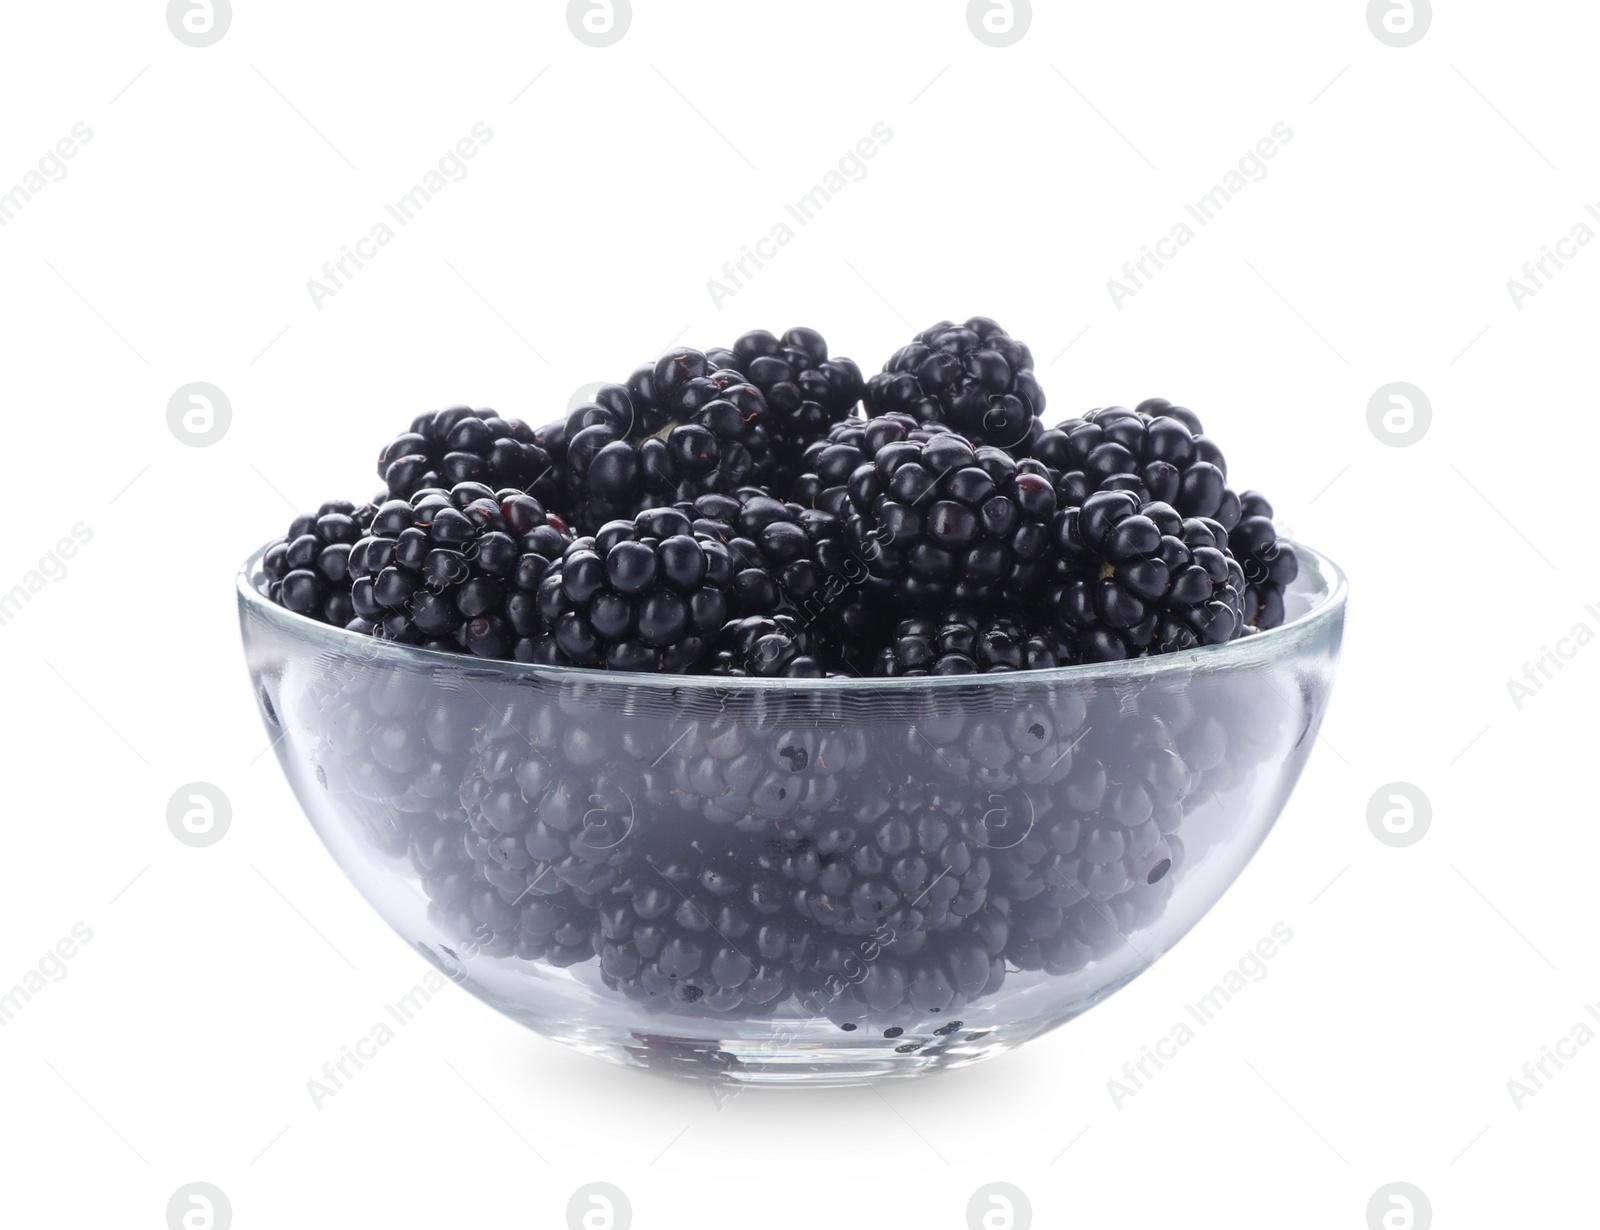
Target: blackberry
[(827, 463), (898, 860), (1268, 562), (940, 523), (391, 744), (470, 902), (784, 556), (642, 595), (461, 445), (960, 643), (854, 982), (768, 646), (973, 377), (309, 571), (805, 391), (685, 931), (1142, 579), (456, 570), (764, 759), (678, 429), (547, 814), (1159, 452), (997, 743)]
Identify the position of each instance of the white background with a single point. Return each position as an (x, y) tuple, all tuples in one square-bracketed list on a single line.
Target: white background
[(1018, 180)]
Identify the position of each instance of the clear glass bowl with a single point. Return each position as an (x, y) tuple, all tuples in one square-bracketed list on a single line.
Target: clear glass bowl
[(815, 881)]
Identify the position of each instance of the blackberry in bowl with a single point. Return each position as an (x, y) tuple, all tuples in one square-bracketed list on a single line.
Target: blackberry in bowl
[(768, 872)]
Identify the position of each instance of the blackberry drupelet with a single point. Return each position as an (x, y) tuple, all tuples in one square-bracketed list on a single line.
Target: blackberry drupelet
[(1268, 562), (647, 594), (461, 445), (805, 390), (678, 429), (973, 377), (960, 643), (456, 570), (1142, 579), (309, 571)]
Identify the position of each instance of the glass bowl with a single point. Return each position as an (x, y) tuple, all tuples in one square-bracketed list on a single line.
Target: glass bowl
[(773, 880)]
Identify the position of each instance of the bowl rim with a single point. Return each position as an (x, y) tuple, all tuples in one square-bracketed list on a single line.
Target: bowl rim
[(1262, 647)]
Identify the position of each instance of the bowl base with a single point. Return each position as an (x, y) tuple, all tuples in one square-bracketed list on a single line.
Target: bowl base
[(798, 1063)]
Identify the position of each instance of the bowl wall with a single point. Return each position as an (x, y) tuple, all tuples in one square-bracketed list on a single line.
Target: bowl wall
[(817, 881)]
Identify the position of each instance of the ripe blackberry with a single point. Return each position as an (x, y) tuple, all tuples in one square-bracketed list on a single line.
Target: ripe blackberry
[(784, 556), (685, 930), (456, 570), (444, 448), (470, 902), (940, 524), (897, 858), (551, 809), (765, 645), (309, 571), (973, 378), (678, 429), (642, 595), (855, 981), (827, 463), (1157, 451), (391, 744), (764, 759), (960, 643), (1142, 579), (997, 744), (1269, 562), (805, 391)]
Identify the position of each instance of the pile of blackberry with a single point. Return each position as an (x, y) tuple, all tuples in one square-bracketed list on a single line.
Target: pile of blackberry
[(801, 521), (762, 512)]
